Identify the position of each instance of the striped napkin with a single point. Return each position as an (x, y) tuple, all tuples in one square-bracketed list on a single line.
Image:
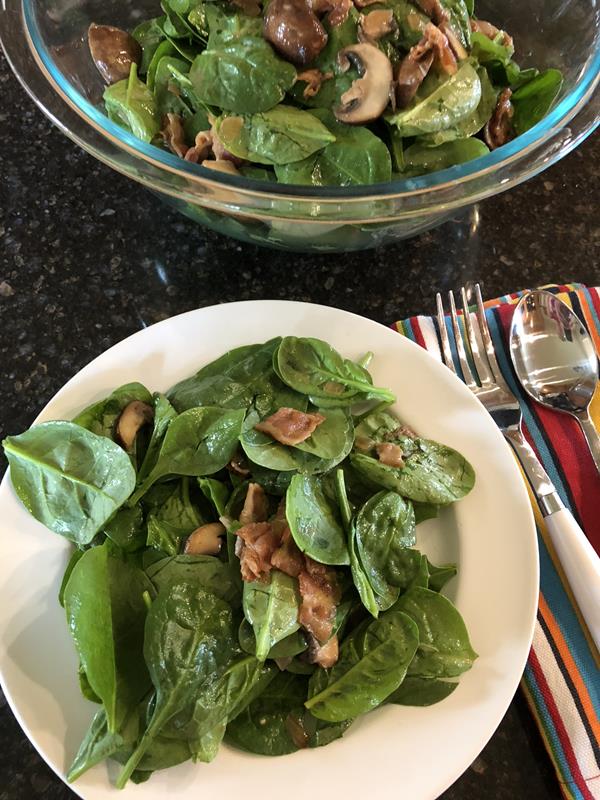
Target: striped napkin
[(562, 678)]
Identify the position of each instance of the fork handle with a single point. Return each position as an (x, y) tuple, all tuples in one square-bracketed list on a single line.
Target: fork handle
[(578, 558)]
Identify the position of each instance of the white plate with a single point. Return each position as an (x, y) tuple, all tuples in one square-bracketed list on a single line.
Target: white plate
[(412, 753)]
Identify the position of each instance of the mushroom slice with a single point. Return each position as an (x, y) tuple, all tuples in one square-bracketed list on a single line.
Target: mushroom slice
[(293, 29), (412, 72), (444, 57), (113, 51), (454, 42), (499, 129), (130, 421), (376, 25), (369, 94), (205, 540)]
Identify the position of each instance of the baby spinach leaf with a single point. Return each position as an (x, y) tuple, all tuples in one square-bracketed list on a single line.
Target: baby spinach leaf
[(421, 691), (99, 743), (225, 27), (85, 688), (272, 610), (411, 23), (313, 367), (361, 582), (454, 99), (444, 647), (333, 438), (165, 48), (372, 664), (469, 126), (425, 511), (314, 521), (277, 136), (164, 414), (174, 520), (292, 645), (131, 104), (439, 576), (487, 50), (432, 472), (200, 441), (75, 556), (173, 89), (68, 478), (357, 157), (459, 20), (216, 493), (533, 100), (242, 75), (148, 35), (421, 160), (106, 616), (272, 481), (127, 529), (189, 634), (206, 571), (101, 417), (385, 528)]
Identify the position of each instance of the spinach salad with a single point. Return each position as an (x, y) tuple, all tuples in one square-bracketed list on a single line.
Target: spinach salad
[(320, 92), (245, 565)]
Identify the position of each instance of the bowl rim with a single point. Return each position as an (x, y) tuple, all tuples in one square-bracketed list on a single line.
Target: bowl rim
[(422, 187)]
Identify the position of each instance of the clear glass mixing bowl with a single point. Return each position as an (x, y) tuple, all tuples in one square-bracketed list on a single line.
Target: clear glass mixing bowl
[(46, 44)]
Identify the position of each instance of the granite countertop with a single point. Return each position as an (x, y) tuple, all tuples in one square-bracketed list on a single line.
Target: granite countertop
[(87, 258)]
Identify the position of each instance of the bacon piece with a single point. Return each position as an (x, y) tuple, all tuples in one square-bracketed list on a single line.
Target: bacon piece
[(376, 25), (320, 595), (444, 57), (324, 655), (390, 454), (499, 129), (256, 505), (454, 42), (288, 557), (434, 46), (289, 426), (173, 135), (202, 148), (313, 79), (491, 31), (258, 543)]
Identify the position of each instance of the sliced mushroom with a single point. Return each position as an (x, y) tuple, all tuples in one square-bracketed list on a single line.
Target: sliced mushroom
[(205, 540), (412, 72), (376, 25), (499, 128), (444, 57), (313, 78), (220, 165), (131, 420), (293, 29), (369, 94), (454, 42), (113, 51)]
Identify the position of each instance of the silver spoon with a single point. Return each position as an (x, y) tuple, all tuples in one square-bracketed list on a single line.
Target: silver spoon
[(555, 361)]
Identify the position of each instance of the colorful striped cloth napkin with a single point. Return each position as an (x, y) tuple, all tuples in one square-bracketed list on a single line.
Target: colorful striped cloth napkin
[(562, 678)]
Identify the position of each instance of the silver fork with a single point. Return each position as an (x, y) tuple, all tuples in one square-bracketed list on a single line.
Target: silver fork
[(577, 556)]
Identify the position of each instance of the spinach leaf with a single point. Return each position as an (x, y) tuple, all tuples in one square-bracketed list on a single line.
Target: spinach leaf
[(314, 521), (148, 35), (487, 50), (277, 136), (333, 438), (99, 743), (216, 493), (242, 75), (225, 27), (200, 441), (425, 511), (68, 478), (421, 160), (432, 472), (357, 157), (85, 688), (165, 48), (189, 634), (174, 520), (385, 528), (421, 691), (101, 417), (533, 100), (372, 664), (164, 414), (106, 616), (75, 556), (292, 645), (131, 104), (173, 89), (206, 571), (313, 367), (459, 20), (469, 126), (272, 481), (272, 610), (444, 647), (454, 99), (439, 576), (126, 529)]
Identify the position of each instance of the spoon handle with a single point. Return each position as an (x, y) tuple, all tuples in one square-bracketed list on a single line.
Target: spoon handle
[(592, 437)]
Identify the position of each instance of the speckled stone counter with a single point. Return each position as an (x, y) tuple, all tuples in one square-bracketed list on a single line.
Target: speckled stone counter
[(87, 258)]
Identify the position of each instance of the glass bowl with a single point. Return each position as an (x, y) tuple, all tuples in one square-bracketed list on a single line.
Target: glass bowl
[(46, 44)]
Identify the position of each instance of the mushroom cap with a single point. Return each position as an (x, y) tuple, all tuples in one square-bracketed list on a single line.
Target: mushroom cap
[(113, 51), (205, 540), (131, 419), (294, 30), (369, 94)]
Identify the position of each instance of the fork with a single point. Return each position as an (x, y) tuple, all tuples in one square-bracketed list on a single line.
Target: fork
[(578, 558)]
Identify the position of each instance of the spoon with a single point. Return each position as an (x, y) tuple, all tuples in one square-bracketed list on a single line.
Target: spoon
[(555, 361)]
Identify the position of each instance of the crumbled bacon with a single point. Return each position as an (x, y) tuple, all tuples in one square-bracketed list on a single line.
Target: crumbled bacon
[(173, 135), (390, 454), (324, 655), (202, 148), (413, 71), (444, 57), (455, 43), (320, 595), (313, 79), (288, 557), (259, 542), (499, 129), (289, 426), (491, 31), (256, 505), (376, 25)]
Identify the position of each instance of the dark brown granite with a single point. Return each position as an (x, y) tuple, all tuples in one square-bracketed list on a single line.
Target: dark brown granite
[(87, 258)]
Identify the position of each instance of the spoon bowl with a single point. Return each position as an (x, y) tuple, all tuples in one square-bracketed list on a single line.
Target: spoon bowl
[(555, 360)]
